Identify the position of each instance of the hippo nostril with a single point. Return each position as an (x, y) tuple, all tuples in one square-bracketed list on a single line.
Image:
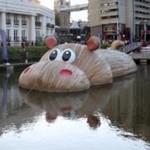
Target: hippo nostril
[(27, 70), (66, 72)]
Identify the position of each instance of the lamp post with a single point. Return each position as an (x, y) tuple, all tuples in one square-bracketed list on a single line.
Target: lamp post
[(144, 23), (145, 29), (118, 27)]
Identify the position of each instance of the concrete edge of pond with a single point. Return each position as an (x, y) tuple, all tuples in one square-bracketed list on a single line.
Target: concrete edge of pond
[(14, 66)]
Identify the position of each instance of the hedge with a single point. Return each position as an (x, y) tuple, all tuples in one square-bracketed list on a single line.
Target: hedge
[(34, 53)]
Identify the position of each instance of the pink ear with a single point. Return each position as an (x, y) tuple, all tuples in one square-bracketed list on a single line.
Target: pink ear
[(51, 42), (93, 43)]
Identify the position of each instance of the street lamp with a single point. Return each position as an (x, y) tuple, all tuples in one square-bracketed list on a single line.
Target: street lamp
[(144, 22), (118, 30), (118, 26), (145, 29)]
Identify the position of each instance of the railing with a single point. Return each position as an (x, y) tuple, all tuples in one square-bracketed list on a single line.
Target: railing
[(16, 39), (131, 47), (38, 23), (8, 21), (49, 25), (9, 39), (16, 22), (24, 38), (24, 22), (38, 39)]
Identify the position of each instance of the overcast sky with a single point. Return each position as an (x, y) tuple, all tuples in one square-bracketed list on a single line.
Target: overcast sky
[(82, 15)]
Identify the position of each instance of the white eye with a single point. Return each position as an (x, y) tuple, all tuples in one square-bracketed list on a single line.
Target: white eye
[(55, 54), (68, 55)]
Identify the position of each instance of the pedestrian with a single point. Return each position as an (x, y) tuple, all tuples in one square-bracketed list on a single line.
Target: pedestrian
[(24, 53)]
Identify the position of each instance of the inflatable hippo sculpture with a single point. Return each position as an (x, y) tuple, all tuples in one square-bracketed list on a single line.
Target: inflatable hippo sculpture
[(75, 67)]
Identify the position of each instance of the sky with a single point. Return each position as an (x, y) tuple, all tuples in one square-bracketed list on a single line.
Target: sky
[(75, 16)]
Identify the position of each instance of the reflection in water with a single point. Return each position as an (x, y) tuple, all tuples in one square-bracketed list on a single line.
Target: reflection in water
[(4, 97), (130, 108), (13, 111), (87, 105), (124, 105), (71, 105)]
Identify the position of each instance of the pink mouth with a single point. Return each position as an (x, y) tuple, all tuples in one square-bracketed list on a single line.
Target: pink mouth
[(66, 72)]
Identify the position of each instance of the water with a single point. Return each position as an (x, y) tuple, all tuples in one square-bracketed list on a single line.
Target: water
[(111, 117)]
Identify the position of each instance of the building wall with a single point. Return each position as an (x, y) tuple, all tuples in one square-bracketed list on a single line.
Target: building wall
[(131, 15), (25, 20)]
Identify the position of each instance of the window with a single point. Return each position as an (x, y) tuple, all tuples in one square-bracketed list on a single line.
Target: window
[(16, 35), (8, 20), (8, 35), (16, 21), (24, 35), (24, 22)]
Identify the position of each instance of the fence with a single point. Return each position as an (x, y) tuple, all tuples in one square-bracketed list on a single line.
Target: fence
[(131, 47)]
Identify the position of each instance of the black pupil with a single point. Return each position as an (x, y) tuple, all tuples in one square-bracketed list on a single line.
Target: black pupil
[(66, 55), (53, 55)]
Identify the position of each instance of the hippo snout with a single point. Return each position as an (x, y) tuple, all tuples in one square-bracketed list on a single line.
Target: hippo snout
[(54, 77)]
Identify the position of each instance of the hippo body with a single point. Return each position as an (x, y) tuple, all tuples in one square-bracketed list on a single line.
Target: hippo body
[(75, 67), (121, 64)]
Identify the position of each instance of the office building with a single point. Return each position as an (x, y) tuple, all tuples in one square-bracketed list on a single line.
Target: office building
[(111, 19)]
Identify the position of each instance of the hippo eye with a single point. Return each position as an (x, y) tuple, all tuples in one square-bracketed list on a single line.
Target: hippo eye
[(55, 54), (68, 55)]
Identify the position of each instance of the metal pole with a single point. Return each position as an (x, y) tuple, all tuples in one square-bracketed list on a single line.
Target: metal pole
[(132, 34), (145, 28), (118, 32)]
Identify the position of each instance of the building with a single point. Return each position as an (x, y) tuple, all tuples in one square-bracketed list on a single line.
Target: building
[(113, 19), (25, 20), (62, 17)]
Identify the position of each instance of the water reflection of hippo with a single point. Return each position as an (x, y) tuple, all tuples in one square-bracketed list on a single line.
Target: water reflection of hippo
[(70, 105), (86, 105), (75, 67)]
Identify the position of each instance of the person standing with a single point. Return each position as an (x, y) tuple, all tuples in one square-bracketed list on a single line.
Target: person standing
[(24, 53)]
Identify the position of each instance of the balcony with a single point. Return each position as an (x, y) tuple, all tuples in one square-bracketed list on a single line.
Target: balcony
[(38, 39), (38, 23), (9, 39), (24, 22), (16, 22), (49, 25), (24, 38), (16, 39), (8, 21)]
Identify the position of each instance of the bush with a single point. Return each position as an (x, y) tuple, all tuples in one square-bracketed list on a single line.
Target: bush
[(34, 53)]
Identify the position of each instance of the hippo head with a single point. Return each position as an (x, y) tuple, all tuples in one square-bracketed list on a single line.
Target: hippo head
[(67, 68)]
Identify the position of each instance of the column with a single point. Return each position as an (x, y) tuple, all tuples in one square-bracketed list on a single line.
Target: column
[(32, 35), (20, 29), (43, 27), (3, 21)]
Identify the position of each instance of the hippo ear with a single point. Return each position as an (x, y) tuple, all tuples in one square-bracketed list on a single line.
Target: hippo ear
[(93, 43), (51, 42)]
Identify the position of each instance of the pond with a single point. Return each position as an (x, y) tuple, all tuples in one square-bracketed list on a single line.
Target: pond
[(112, 117)]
